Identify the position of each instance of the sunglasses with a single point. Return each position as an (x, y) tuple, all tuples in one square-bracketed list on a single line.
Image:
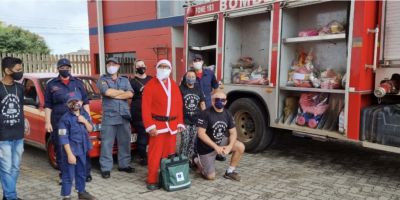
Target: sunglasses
[(223, 100)]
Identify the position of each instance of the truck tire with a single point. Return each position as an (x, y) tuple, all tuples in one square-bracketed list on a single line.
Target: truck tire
[(251, 124), (51, 154)]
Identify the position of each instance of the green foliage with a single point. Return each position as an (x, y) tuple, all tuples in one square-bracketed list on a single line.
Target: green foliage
[(17, 40)]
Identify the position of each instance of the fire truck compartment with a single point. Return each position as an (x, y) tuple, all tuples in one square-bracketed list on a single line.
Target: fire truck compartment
[(313, 44), (202, 39), (328, 51), (248, 38)]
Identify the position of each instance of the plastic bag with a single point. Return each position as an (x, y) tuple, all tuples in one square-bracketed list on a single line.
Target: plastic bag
[(307, 33), (330, 79), (301, 70), (334, 27), (312, 107)]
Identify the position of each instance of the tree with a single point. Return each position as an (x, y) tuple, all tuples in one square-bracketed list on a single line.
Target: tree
[(17, 40)]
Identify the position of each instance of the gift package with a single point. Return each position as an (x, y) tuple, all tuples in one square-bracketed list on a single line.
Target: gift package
[(315, 110), (334, 27), (303, 73), (246, 71)]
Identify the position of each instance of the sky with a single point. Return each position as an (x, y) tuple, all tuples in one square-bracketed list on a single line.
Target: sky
[(62, 23)]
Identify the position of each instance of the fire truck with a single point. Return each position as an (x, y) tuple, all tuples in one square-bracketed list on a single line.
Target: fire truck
[(320, 69)]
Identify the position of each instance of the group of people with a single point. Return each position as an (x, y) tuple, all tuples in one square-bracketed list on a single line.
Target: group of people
[(156, 107)]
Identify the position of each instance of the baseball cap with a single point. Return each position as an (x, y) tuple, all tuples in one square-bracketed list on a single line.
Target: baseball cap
[(112, 59), (74, 96), (63, 62)]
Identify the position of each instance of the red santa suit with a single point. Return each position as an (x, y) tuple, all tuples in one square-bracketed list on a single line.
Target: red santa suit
[(162, 109)]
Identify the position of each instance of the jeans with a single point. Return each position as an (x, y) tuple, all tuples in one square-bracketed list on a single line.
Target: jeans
[(123, 134), (10, 160)]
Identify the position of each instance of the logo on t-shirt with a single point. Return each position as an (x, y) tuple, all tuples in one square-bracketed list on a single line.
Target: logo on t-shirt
[(11, 110), (219, 130), (191, 103)]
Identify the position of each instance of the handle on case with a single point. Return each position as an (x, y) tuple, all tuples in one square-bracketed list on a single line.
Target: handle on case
[(374, 62)]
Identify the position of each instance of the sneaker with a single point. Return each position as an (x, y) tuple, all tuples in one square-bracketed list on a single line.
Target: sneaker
[(220, 157), (153, 187), (143, 162), (59, 181), (105, 174), (192, 164), (127, 170), (233, 176), (85, 196), (89, 178), (66, 198)]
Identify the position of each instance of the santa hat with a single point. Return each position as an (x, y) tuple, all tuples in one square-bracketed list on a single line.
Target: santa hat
[(165, 62)]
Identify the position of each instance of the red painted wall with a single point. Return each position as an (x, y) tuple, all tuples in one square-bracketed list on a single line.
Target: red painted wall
[(142, 41), (117, 12)]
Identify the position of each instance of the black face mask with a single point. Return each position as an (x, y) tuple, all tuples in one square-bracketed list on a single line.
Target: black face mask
[(64, 73), (141, 70), (17, 75)]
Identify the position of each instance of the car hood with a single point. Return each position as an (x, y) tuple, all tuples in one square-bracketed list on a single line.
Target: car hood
[(95, 110)]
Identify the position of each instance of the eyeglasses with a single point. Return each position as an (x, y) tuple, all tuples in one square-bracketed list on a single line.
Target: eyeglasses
[(223, 100)]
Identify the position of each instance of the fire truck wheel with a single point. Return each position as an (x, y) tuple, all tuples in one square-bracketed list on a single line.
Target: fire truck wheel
[(251, 124), (51, 154)]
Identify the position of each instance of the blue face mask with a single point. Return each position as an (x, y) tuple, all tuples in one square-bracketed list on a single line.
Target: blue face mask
[(219, 103), (191, 81)]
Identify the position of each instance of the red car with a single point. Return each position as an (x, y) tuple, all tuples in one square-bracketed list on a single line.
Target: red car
[(35, 84)]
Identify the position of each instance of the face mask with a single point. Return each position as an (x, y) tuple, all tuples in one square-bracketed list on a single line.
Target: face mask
[(190, 81), (141, 70), (112, 69), (76, 106), (17, 75), (163, 73), (198, 65), (64, 73), (219, 104)]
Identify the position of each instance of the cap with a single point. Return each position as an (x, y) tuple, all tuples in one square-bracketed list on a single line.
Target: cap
[(63, 62), (164, 62), (112, 59), (74, 96), (197, 57)]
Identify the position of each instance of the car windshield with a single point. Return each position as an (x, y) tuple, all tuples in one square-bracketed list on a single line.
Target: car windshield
[(89, 83)]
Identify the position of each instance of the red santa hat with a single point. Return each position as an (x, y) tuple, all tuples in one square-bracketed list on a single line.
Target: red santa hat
[(165, 62)]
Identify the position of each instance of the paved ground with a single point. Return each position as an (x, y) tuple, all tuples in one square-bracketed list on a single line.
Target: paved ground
[(293, 168)]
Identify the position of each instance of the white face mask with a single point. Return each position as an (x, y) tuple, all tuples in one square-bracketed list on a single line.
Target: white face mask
[(163, 73), (197, 65), (112, 69)]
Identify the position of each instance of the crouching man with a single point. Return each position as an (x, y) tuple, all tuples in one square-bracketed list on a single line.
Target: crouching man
[(217, 135)]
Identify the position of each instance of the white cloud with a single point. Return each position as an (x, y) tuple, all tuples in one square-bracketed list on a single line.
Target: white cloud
[(63, 24)]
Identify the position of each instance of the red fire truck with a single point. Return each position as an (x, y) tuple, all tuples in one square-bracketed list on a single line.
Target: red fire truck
[(310, 67)]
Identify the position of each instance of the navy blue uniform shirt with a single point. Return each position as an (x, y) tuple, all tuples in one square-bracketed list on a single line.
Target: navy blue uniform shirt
[(71, 132), (208, 82), (56, 96)]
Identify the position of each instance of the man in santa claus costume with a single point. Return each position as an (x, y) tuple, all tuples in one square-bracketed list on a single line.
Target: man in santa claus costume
[(162, 115)]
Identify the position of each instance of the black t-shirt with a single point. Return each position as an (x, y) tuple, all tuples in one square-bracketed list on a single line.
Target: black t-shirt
[(191, 102), (136, 106), (217, 125), (12, 112)]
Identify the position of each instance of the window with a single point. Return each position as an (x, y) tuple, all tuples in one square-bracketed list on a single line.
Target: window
[(127, 60), (30, 93), (88, 82), (170, 8)]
